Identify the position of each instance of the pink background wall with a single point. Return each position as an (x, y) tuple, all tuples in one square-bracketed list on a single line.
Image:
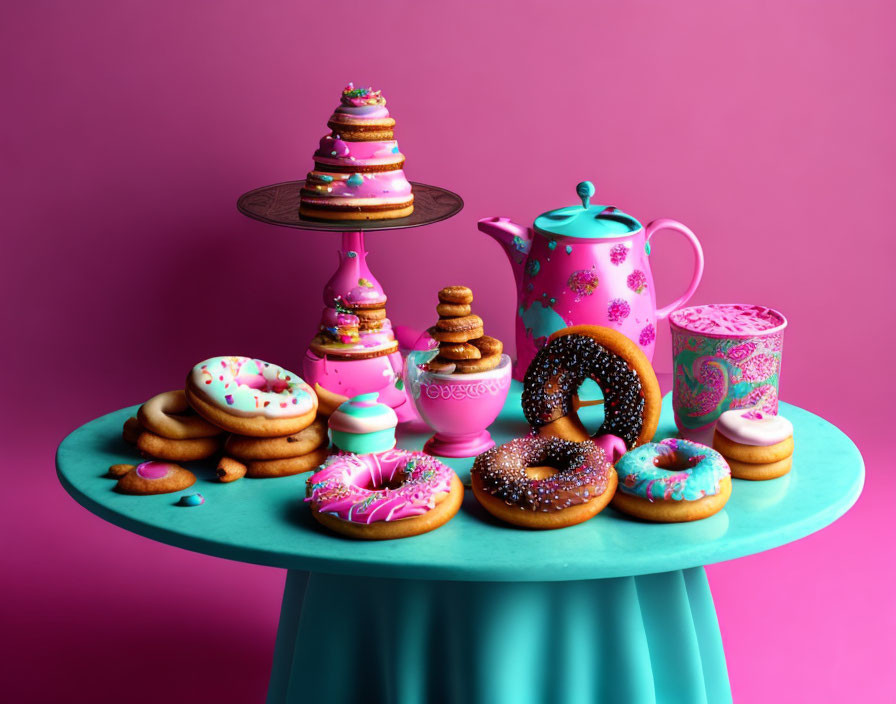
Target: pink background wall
[(130, 129)]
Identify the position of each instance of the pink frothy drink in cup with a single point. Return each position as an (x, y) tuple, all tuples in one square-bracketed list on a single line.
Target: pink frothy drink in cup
[(724, 356)]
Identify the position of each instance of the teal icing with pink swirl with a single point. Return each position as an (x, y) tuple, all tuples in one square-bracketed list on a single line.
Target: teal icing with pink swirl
[(640, 474), (358, 488)]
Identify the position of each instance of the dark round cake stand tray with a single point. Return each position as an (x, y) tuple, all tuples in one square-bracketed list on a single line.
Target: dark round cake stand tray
[(279, 205)]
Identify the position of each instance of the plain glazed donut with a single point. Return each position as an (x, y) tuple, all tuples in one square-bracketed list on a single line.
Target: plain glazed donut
[(512, 483), (250, 397), (631, 393), (392, 494), (672, 481), (166, 415)]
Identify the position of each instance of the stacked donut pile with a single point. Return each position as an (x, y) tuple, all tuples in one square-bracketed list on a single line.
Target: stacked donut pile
[(264, 418), (464, 348), (166, 428), (275, 456)]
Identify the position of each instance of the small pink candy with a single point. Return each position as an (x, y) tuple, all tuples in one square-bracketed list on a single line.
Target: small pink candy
[(152, 470), (613, 446)]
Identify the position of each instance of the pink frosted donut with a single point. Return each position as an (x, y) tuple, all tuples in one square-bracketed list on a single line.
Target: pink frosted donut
[(391, 494)]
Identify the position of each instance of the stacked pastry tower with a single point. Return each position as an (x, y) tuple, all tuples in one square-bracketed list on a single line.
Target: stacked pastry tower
[(358, 171), (464, 348), (354, 323)]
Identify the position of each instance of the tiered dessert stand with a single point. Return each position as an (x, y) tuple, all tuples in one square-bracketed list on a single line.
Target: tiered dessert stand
[(611, 610), (279, 205)]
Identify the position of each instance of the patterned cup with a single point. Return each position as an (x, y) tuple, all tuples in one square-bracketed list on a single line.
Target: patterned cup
[(724, 356), (459, 407)]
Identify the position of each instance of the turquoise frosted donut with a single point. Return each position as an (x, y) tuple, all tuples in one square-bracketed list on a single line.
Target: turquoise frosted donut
[(246, 386), (694, 471)]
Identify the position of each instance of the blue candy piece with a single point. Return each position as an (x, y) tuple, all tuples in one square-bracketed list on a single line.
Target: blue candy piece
[(325, 178), (355, 180), (191, 500)]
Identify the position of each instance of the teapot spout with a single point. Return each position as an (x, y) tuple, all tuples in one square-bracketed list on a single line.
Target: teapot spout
[(515, 239)]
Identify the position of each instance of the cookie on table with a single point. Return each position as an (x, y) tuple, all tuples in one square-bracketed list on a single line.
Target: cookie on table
[(153, 478)]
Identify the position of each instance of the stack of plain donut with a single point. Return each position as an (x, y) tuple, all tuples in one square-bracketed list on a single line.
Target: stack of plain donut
[(263, 420)]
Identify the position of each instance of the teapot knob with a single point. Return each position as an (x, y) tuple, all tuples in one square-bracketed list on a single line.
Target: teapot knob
[(585, 190)]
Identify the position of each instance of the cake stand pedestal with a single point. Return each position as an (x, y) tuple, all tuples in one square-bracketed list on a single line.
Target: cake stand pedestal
[(610, 610), (279, 205)]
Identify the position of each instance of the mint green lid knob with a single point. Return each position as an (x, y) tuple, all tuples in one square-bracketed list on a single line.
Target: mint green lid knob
[(585, 190)]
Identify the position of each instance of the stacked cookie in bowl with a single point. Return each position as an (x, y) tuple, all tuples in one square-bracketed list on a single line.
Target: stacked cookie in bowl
[(464, 348)]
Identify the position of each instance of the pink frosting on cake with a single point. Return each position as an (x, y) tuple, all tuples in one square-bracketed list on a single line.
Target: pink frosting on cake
[(379, 187), (353, 173), (728, 319), (334, 318), (335, 151)]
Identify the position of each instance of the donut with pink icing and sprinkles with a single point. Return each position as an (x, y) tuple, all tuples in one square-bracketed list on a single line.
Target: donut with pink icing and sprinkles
[(374, 491), (250, 397)]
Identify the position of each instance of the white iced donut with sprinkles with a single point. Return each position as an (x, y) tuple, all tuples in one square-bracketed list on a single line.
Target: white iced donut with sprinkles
[(250, 397)]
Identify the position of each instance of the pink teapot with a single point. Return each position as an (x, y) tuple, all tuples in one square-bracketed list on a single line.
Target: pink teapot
[(585, 264)]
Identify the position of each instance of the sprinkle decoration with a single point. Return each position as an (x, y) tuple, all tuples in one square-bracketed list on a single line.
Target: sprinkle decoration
[(560, 368), (251, 385), (583, 472), (358, 97)]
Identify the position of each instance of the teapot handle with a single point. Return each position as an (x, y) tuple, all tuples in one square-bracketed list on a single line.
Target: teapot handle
[(668, 224)]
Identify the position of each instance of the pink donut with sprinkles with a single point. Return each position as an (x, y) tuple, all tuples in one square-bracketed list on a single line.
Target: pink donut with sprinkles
[(391, 494)]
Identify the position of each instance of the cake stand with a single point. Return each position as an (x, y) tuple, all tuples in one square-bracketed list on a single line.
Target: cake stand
[(279, 205), (610, 610)]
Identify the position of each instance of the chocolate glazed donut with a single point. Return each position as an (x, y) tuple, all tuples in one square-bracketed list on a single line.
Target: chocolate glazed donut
[(631, 393), (510, 483)]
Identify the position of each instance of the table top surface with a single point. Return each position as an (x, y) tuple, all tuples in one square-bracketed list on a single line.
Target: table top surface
[(265, 521)]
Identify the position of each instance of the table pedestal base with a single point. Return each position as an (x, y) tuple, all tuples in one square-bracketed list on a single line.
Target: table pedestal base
[(653, 638)]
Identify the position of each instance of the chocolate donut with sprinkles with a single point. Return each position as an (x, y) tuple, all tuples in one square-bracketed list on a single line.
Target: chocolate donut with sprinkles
[(631, 393), (543, 482)]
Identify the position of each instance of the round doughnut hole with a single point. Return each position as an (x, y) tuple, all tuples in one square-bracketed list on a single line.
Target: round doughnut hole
[(393, 483), (590, 405), (673, 462), (541, 472)]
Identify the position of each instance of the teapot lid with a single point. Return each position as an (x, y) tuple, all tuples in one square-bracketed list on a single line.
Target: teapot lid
[(587, 221)]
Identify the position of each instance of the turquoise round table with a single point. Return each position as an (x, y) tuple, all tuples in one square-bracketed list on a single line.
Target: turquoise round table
[(611, 610)]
